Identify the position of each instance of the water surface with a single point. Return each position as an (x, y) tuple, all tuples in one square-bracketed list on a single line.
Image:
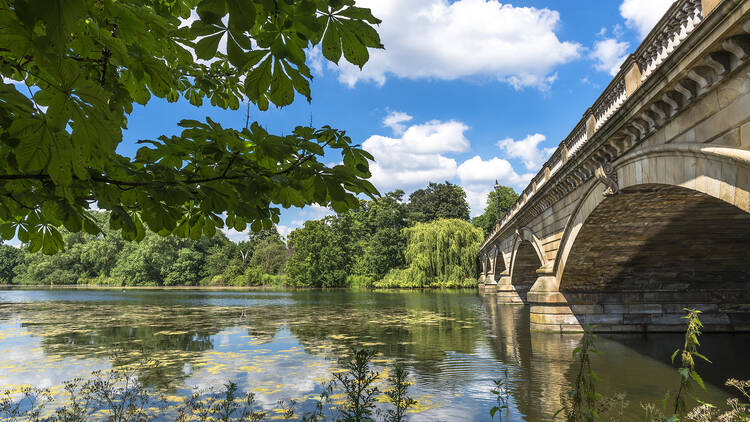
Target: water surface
[(284, 345)]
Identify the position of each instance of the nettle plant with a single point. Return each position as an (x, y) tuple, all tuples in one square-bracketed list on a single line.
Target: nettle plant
[(73, 69)]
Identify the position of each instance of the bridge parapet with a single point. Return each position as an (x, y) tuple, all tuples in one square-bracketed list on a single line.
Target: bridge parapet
[(672, 125), (670, 32)]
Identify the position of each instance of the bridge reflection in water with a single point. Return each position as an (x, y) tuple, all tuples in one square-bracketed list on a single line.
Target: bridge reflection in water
[(635, 364)]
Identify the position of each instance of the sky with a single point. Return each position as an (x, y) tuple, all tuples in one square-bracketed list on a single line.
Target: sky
[(469, 91)]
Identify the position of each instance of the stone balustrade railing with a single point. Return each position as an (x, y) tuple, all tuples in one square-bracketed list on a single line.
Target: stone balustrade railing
[(674, 27)]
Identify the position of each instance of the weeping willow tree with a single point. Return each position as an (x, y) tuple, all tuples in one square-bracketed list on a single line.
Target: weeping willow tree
[(441, 253)]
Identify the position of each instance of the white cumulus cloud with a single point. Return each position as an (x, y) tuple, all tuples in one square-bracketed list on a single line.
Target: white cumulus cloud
[(527, 149), (450, 40), (421, 153), (395, 120), (478, 177), (609, 54), (642, 15), (476, 170), (415, 156)]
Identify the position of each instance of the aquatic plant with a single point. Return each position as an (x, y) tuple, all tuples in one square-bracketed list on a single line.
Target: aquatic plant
[(579, 404), (398, 395), (223, 406), (357, 382), (502, 396), (687, 371)]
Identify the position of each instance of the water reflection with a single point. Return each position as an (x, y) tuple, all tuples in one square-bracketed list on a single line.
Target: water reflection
[(283, 345)]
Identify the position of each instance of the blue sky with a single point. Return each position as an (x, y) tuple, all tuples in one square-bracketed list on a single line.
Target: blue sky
[(467, 90)]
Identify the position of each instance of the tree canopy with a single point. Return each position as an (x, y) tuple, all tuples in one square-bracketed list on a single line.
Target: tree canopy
[(503, 202), (441, 253), (79, 67), (438, 200)]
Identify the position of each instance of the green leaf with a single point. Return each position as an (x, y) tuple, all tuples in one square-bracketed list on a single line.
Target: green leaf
[(52, 241), (354, 51), (258, 80), (241, 14), (332, 43), (366, 34), (33, 150), (7, 231), (702, 357), (359, 13), (211, 11), (282, 91), (207, 46), (300, 84), (697, 379), (235, 53)]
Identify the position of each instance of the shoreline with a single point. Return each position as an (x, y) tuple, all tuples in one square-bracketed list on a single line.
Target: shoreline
[(212, 288), (100, 287)]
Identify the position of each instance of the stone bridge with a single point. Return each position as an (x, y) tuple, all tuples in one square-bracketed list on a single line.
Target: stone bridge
[(643, 209)]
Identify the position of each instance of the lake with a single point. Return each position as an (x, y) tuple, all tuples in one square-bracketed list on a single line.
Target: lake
[(284, 345)]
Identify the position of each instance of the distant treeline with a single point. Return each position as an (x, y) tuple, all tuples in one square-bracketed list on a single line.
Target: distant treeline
[(426, 241)]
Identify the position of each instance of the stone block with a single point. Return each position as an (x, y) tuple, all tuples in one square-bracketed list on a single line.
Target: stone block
[(687, 137), (714, 319), (561, 310), (739, 318), (505, 298), (729, 178), (659, 328), (632, 79), (620, 328), (734, 307), (545, 297), (644, 308), (587, 309), (669, 319), (707, 106), (676, 308), (557, 319), (638, 172), (707, 6), (637, 319), (733, 88), (602, 319), (614, 308), (676, 286), (745, 136), (689, 173), (571, 328), (728, 117), (719, 328), (731, 138), (544, 328)]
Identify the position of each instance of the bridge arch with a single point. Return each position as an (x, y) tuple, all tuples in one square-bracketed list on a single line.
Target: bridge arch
[(670, 233), (707, 169), (527, 257), (498, 262)]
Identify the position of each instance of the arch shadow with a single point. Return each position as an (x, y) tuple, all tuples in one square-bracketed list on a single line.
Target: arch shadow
[(668, 240)]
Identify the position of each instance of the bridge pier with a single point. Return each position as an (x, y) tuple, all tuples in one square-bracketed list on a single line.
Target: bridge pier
[(549, 309), (506, 292)]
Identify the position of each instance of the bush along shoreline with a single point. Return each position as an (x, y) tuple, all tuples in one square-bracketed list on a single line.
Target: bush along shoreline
[(427, 241), (138, 392)]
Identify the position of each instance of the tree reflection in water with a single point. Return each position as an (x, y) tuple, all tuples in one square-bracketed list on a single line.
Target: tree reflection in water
[(283, 345)]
